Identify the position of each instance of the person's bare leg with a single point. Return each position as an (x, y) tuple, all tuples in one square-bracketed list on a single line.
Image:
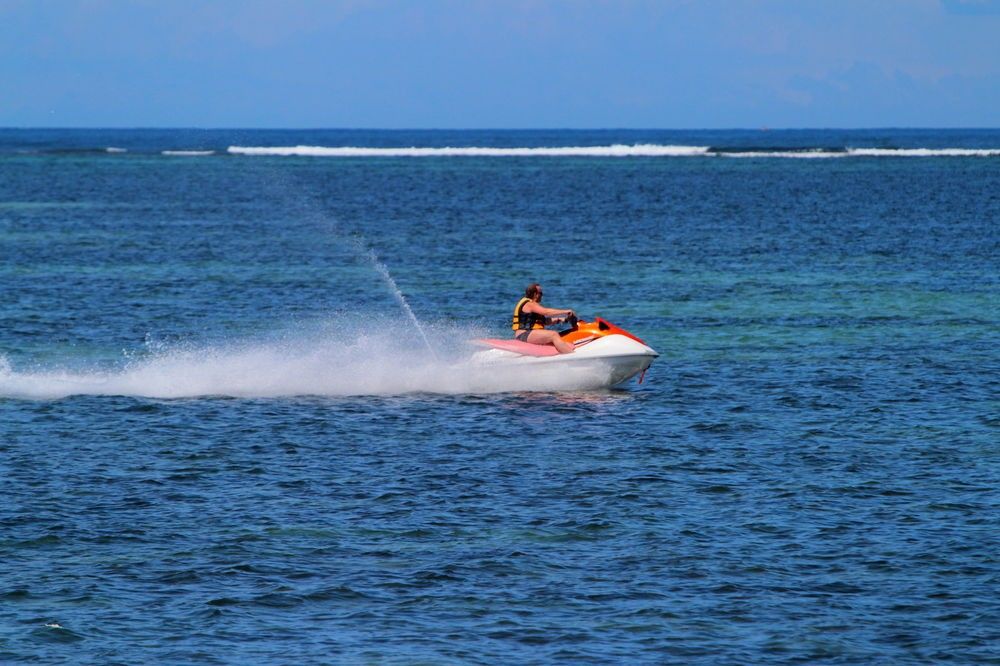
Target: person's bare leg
[(541, 337)]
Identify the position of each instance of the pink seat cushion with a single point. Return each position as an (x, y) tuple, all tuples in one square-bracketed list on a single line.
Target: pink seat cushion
[(518, 347)]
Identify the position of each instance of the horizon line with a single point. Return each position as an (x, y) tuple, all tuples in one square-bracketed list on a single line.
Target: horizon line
[(490, 129)]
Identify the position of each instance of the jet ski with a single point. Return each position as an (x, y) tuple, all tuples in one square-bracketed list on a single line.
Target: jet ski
[(605, 355)]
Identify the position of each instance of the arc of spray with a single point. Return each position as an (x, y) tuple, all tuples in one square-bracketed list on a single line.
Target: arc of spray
[(309, 206), (401, 299)]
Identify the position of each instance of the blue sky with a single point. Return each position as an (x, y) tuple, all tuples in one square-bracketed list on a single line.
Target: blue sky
[(500, 64)]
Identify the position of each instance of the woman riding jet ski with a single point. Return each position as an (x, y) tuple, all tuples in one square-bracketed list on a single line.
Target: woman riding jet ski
[(530, 319), (598, 353)]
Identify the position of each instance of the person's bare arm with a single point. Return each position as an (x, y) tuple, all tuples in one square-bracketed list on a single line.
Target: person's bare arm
[(547, 312)]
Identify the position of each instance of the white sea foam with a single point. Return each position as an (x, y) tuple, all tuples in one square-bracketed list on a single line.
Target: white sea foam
[(617, 150), (112, 149), (787, 154), (389, 360), (188, 153), (924, 152)]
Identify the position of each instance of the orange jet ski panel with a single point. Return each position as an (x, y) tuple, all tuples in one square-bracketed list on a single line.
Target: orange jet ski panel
[(588, 330)]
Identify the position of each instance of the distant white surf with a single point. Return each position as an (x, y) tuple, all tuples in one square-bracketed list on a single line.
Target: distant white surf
[(615, 150), (787, 154), (924, 152), (188, 153)]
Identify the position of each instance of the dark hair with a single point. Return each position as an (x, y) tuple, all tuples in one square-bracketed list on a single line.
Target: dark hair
[(533, 289)]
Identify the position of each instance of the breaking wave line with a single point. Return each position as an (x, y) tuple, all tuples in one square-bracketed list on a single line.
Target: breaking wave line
[(615, 150), (924, 152), (187, 153)]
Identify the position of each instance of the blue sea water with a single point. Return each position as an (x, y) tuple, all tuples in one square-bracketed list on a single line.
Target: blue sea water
[(222, 440)]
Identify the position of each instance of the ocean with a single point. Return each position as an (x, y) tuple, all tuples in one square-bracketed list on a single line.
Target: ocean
[(238, 421)]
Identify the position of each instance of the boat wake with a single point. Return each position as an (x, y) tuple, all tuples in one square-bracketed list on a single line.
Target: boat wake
[(325, 363)]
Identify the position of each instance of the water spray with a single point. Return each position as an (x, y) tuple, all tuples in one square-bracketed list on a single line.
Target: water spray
[(383, 270)]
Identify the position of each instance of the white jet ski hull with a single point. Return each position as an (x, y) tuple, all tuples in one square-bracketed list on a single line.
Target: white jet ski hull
[(600, 363)]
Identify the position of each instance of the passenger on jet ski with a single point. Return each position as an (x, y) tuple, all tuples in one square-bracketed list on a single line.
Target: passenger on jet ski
[(530, 319)]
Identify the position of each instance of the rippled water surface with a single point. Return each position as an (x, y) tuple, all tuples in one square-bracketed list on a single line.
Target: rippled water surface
[(223, 441)]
